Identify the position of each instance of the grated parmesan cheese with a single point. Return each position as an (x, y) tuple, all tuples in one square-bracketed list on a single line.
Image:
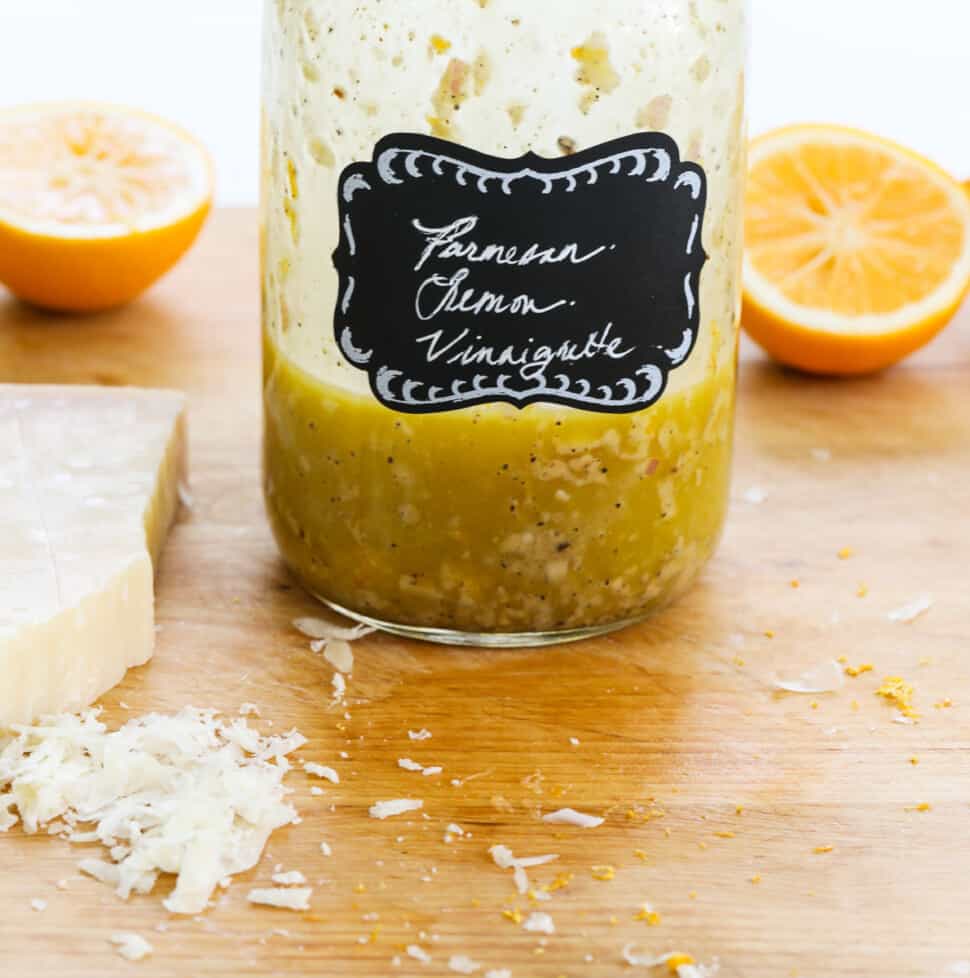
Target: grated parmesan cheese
[(338, 653), (569, 816), (388, 809), (418, 953), (320, 771), (504, 858), (539, 923), (322, 630), (463, 965), (293, 878), (408, 765), (908, 613), (186, 794), (419, 734), (498, 973), (824, 678), (38, 904), (132, 947), (284, 899)]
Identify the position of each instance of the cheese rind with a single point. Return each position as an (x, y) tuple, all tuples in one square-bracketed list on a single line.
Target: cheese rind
[(88, 492)]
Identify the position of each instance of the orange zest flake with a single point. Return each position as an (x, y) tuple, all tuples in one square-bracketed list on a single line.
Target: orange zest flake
[(796, 584), (559, 883), (677, 961), (845, 553), (914, 760), (862, 591), (822, 850), (515, 915), (897, 691), (739, 809), (944, 704), (739, 661), (374, 934), (756, 879), (725, 835), (924, 806), (439, 45), (360, 888), (856, 671), (647, 914), (769, 633), (603, 872), (641, 855)]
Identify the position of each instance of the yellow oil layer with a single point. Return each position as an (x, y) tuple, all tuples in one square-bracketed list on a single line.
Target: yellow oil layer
[(494, 519)]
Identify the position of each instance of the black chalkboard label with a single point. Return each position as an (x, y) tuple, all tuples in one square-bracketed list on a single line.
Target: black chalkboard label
[(467, 279)]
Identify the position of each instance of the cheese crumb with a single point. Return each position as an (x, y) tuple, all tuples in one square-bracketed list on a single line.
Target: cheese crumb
[(569, 816), (463, 965), (320, 771), (539, 923), (910, 612), (388, 809), (283, 899), (186, 794), (38, 904), (293, 878), (824, 678), (132, 947), (322, 630), (418, 953)]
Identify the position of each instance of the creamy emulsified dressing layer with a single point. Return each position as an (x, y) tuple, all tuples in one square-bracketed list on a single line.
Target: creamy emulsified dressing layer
[(491, 519)]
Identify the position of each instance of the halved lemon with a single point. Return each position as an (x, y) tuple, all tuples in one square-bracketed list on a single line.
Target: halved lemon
[(96, 202), (857, 250)]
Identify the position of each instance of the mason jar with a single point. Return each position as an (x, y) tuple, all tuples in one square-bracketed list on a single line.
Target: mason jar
[(501, 250)]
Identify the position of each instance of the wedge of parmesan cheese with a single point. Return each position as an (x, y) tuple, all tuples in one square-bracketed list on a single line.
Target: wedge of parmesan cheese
[(89, 487)]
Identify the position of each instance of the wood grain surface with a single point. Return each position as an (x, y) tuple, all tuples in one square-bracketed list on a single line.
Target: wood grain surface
[(724, 786)]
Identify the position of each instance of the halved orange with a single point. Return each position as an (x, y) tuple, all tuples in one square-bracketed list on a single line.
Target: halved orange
[(96, 202), (857, 250)]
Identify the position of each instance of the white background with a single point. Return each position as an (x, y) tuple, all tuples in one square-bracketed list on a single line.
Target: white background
[(899, 67)]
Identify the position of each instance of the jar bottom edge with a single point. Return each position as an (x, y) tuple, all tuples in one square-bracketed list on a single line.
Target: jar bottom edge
[(488, 640)]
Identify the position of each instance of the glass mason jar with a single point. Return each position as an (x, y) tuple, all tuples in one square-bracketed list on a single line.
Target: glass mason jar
[(501, 261)]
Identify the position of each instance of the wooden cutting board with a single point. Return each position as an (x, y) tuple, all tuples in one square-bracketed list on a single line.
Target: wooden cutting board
[(724, 786)]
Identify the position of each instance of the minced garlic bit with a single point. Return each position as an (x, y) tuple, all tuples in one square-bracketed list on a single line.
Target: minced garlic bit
[(152, 792), (132, 947), (910, 612), (399, 806), (539, 923), (603, 872), (569, 816), (897, 691)]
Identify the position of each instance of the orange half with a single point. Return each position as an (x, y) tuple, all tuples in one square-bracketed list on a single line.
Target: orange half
[(857, 250), (96, 202)]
